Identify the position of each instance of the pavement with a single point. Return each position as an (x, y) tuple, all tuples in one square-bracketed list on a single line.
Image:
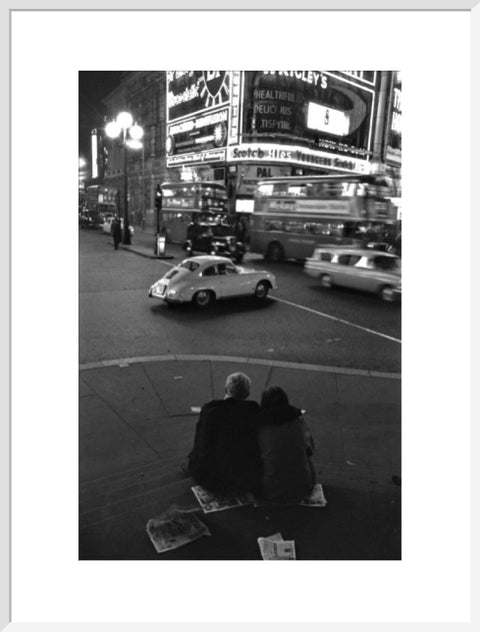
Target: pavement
[(137, 424)]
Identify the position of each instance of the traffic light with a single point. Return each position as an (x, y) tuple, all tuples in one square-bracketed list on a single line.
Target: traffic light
[(158, 198)]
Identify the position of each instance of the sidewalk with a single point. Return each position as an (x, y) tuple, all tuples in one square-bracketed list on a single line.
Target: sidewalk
[(137, 425), (143, 243)]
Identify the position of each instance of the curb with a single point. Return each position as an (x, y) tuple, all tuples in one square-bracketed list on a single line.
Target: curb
[(144, 254), (124, 362)]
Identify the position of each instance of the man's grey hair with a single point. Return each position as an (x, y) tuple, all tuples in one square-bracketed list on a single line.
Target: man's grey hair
[(238, 386)]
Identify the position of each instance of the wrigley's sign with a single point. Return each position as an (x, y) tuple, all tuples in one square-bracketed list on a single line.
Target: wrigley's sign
[(303, 156)]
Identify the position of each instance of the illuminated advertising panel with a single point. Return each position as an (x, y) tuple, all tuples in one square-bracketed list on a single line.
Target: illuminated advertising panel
[(330, 111), (193, 91), (198, 112), (367, 76), (250, 175), (204, 132), (294, 155), (94, 152), (235, 106), (393, 145)]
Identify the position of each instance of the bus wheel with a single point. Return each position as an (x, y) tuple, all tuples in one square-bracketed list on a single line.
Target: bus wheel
[(387, 293), (326, 280), (203, 298), (275, 252), (261, 290)]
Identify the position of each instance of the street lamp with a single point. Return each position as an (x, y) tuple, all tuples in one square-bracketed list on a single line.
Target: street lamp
[(130, 134)]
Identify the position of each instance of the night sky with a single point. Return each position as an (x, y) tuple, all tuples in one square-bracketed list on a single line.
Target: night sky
[(93, 86)]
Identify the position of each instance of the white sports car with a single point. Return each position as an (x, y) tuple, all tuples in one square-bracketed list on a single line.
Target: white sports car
[(204, 279)]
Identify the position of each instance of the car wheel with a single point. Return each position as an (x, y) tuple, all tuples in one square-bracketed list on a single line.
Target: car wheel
[(326, 280), (203, 298), (239, 259), (275, 252), (387, 293), (261, 290)]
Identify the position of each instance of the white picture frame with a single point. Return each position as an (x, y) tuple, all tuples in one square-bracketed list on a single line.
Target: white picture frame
[(7, 355)]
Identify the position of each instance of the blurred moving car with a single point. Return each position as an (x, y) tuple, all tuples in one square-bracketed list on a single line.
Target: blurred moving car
[(204, 279), (215, 239), (360, 269), (107, 225)]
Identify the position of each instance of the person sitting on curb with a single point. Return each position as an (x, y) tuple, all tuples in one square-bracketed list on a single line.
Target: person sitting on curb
[(225, 454), (286, 447)]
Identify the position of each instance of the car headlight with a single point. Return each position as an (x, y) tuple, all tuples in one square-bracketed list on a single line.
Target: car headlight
[(171, 292)]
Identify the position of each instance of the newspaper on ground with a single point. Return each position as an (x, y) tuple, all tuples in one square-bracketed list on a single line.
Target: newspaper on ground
[(211, 502), (315, 499), (173, 529), (274, 547)]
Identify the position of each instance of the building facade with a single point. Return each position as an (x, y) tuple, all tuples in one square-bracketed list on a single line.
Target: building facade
[(143, 95), (237, 127)]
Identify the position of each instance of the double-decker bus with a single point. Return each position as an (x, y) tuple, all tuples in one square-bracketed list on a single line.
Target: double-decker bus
[(292, 215), (182, 200), (100, 200)]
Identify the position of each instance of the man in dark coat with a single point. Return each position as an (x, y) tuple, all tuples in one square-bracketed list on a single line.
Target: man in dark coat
[(116, 232), (225, 457)]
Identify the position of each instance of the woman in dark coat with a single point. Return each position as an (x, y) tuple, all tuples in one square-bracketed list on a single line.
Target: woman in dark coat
[(286, 447)]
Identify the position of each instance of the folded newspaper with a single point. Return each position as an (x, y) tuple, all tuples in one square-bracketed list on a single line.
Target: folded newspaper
[(173, 529), (211, 502), (315, 499), (274, 547)]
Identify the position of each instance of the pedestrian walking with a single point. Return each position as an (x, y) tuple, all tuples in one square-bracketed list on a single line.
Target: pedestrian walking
[(116, 232)]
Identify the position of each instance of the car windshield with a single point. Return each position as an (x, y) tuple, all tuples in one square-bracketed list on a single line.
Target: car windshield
[(220, 230)]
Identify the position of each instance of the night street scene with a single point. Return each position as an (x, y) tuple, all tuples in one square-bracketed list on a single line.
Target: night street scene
[(240, 244)]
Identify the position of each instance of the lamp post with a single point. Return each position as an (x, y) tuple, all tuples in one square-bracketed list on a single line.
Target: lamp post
[(130, 134)]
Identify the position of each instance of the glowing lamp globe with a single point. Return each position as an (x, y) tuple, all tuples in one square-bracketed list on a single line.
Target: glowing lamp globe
[(113, 129), (125, 120), (136, 132)]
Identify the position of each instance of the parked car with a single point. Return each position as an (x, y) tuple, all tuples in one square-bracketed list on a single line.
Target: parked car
[(214, 239), (360, 269), (87, 219), (204, 279), (107, 225)]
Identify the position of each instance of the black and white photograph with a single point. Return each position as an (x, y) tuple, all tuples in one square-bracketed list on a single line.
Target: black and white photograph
[(240, 281)]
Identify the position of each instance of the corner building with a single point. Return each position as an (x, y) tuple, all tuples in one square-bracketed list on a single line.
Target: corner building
[(237, 127)]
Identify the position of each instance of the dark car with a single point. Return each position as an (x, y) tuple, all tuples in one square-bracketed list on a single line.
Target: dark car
[(88, 219), (214, 239)]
